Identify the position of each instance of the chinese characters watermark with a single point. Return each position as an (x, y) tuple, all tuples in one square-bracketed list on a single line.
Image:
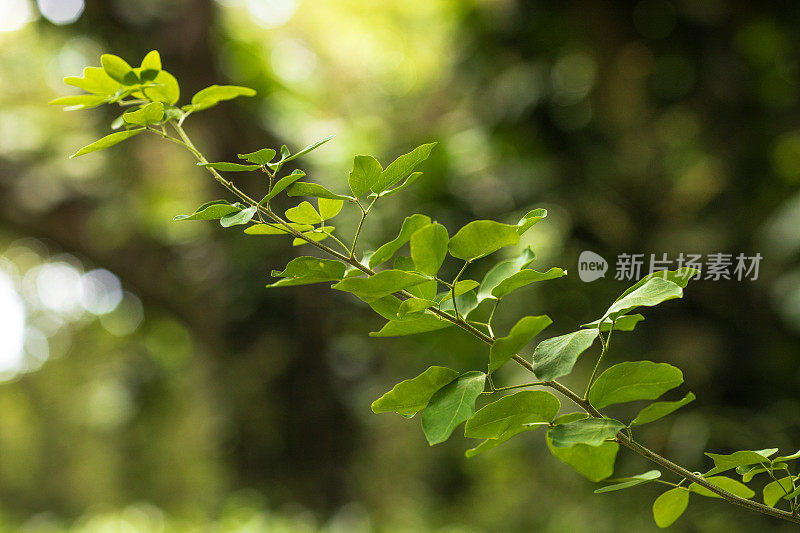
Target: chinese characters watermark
[(631, 267)]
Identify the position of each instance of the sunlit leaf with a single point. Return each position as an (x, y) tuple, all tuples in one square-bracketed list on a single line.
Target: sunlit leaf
[(151, 61), (414, 176), (489, 444), (329, 208), (522, 408), (118, 69), (633, 380), (723, 462), (94, 80), (657, 410), (401, 167), (410, 225), (381, 284), (152, 113), (211, 211), (503, 270), (555, 357), (451, 405), (236, 219), (480, 238), (303, 214), (305, 270), (725, 483), (670, 506), (412, 395), (650, 293), (276, 229), (164, 88), (429, 248), (315, 190), (525, 277), (589, 431), (628, 482), (424, 324), (365, 173), (593, 462), (211, 96), (81, 101), (108, 141), (229, 167), (773, 492), (520, 335), (285, 157), (281, 185), (622, 323), (259, 157)]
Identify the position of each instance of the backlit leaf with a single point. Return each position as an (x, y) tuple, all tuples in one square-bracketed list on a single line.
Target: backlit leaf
[(410, 225), (622, 323), (775, 491), (94, 80), (236, 219), (634, 380), (401, 167), (152, 113), (588, 431), (107, 141), (725, 483), (412, 395), (657, 410), (723, 462), (628, 482), (259, 157), (480, 238), (281, 185), (525, 277), (429, 248), (424, 324), (81, 101), (520, 335), (522, 408), (365, 173), (118, 69), (303, 214), (285, 158), (670, 506), (503, 270), (555, 357), (329, 208), (593, 462), (211, 96), (652, 292), (381, 284), (275, 229), (315, 190), (451, 405), (305, 270), (211, 211)]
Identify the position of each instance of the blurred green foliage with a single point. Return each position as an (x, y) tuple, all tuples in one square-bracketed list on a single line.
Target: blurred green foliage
[(201, 402)]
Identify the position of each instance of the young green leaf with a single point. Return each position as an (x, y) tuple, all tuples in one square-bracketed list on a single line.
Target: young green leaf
[(529, 219), (107, 141), (276, 229), (151, 61), (723, 462), (164, 88), (285, 157), (520, 409), (259, 157), (302, 188), (118, 69), (525, 277), (725, 483), (236, 219), (503, 270), (593, 462), (305, 270), (81, 101), (401, 167), (229, 167), (303, 214), (461, 287), (480, 238), (412, 395), (623, 323), (94, 80), (211, 96), (657, 410), (467, 303), (589, 431), (365, 173), (282, 184), (211, 211), (650, 293), (795, 455), (381, 284), (329, 208), (316, 235), (628, 482), (414, 306), (429, 248), (554, 358), (748, 472), (414, 176), (670, 506), (451, 405), (488, 444), (410, 225), (152, 113), (424, 324), (773, 492), (633, 380), (520, 335)]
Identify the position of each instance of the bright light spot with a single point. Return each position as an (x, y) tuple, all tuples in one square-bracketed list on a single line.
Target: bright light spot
[(125, 318), (58, 286), (292, 60), (12, 325), (37, 348), (61, 11), (100, 291), (14, 14), (271, 13)]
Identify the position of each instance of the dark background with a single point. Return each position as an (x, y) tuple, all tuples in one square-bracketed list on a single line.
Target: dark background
[(203, 400)]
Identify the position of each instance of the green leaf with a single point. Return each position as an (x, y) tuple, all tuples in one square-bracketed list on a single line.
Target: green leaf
[(555, 357), (795, 493), (107, 141), (467, 303), (211, 211), (305, 150), (381, 284), (429, 248), (259, 157), (633, 380), (365, 173), (451, 405), (748, 472), (725, 483), (303, 214), (679, 277), (424, 324), (118, 69), (520, 335), (723, 462), (525, 277), (652, 292), (229, 167), (305, 270), (623, 323), (488, 444), (589, 431), (461, 287), (480, 238), (509, 412), (282, 184), (657, 410), (412, 395), (776, 490), (503, 270), (529, 219), (414, 176), (302, 188), (81, 101), (236, 219), (94, 80), (275, 229), (410, 225), (165, 89), (152, 61), (626, 483), (152, 113), (670, 506), (329, 208), (795, 455), (593, 462), (316, 235), (401, 167), (211, 96), (414, 306)]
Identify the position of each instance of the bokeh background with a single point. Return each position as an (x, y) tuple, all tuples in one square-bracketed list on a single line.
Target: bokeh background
[(149, 383)]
